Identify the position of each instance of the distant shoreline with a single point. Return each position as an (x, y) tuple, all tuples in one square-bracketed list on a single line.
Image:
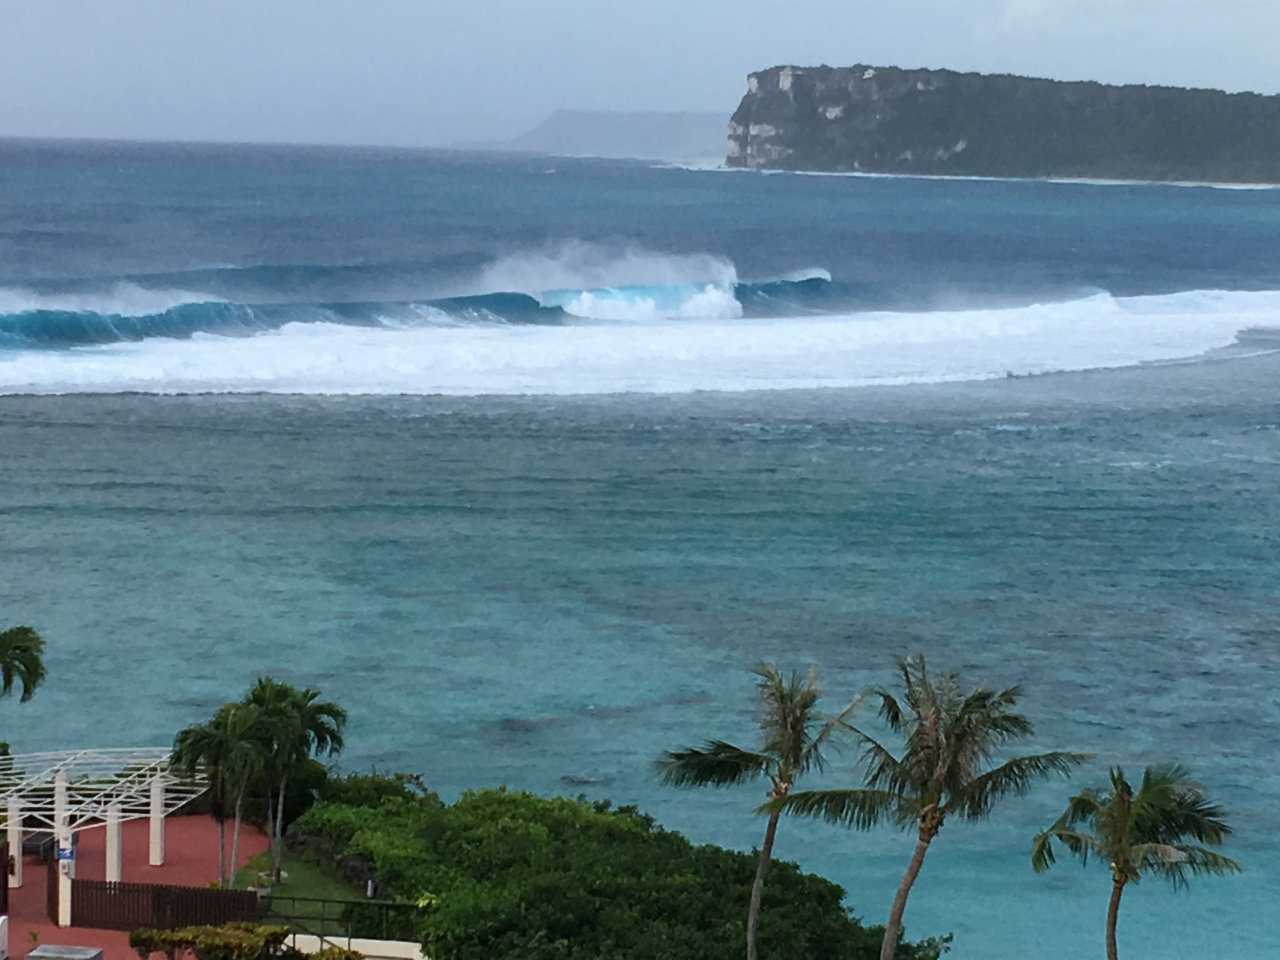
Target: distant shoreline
[(862, 174)]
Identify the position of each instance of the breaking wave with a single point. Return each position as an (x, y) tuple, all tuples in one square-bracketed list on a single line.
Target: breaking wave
[(33, 321), (514, 343)]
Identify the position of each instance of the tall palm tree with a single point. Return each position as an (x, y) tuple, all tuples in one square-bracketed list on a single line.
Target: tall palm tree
[(21, 661), (227, 749), (243, 766), (1141, 831), (947, 767), (793, 734), (294, 724)]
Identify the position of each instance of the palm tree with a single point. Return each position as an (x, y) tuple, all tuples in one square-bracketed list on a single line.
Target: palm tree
[(790, 746), (227, 748), (293, 724), (21, 661), (947, 766), (243, 766), (1140, 831)]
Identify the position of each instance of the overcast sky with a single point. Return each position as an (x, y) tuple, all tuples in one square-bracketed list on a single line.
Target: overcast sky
[(421, 72)]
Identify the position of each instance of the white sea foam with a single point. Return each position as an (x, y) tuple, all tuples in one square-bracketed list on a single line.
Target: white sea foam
[(809, 273), (122, 300), (865, 175), (660, 356), (707, 303), (580, 266)]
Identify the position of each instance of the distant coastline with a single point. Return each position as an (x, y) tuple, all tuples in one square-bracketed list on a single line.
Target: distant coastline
[(617, 135), (706, 167), (885, 120)]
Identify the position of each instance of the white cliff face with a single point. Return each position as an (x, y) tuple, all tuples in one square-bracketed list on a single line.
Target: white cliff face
[(735, 144)]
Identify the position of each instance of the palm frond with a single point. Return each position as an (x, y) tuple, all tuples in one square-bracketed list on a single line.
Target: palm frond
[(1140, 831), (811, 757), (885, 771), (1080, 844), (1014, 777), (857, 808), (716, 764), (890, 711), (21, 661), (1177, 863)]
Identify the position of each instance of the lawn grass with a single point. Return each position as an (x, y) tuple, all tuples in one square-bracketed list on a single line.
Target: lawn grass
[(303, 878)]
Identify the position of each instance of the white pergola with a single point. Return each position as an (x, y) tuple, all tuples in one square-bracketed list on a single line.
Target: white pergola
[(71, 791)]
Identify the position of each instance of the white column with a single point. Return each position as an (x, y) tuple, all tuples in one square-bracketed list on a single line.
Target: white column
[(114, 859), (62, 841), (157, 823), (15, 840)]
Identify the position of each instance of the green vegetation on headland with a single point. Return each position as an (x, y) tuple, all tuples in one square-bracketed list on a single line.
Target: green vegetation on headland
[(944, 123)]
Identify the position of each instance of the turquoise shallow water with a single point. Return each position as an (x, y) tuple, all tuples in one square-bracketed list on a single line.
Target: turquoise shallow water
[(546, 592), (519, 585)]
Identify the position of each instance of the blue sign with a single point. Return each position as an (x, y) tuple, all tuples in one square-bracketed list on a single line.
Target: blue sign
[(66, 853)]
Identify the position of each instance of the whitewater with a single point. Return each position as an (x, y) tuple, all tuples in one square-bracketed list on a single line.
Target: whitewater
[(672, 339)]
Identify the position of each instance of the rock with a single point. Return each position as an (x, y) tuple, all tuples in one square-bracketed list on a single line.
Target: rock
[(939, 122)]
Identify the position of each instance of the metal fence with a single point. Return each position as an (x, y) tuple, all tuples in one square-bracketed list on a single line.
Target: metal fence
[(343, 919), (132, 906)]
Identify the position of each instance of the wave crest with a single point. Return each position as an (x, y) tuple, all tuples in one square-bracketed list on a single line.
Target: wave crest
[(726, 355), (577, 265)]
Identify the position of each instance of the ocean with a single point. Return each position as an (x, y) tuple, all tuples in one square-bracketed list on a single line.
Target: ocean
[(525, 460)]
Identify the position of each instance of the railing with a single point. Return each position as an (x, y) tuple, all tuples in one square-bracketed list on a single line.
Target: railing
[(132, 906), (342, 919)]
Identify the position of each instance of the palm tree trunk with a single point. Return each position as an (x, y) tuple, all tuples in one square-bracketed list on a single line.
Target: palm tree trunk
[(222, 851), (929, 824), (278, 845), (235, 837), (1113, 913), (271, 817), (217, 793), (757, 888)]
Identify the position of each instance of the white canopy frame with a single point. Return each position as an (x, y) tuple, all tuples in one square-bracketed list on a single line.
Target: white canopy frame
[(96, 781), (62, 793)]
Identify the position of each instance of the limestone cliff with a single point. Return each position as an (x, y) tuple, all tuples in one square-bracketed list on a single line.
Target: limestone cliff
[(888, 120)]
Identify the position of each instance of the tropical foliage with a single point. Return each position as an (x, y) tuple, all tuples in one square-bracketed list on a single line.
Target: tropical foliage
[(502, 875), (231, 941), (293, 725), (230, 748), (947, 766), (21, 661), (1139, 832), (792, 736), (259, 754)]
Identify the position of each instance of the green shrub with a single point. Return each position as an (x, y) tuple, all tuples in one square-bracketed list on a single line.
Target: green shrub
[(231, 941), (336, 953), (504, 875), (370, 789)]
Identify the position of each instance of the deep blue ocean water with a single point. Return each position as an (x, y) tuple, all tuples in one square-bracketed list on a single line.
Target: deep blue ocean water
[(525, 460)]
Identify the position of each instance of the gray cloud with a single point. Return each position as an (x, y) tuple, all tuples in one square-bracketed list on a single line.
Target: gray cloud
[(427, 72)]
